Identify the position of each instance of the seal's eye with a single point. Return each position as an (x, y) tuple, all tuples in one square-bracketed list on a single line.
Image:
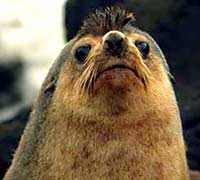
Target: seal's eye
[(82, 52), (143, 48)]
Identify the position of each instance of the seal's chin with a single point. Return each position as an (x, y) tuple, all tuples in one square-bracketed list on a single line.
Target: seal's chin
[(116, 78)]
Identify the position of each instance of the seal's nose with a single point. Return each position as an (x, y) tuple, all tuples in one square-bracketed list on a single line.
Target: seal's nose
[(114, 42)]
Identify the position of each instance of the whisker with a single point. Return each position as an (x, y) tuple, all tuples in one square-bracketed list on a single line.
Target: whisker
[(85, 82), (142, 71)]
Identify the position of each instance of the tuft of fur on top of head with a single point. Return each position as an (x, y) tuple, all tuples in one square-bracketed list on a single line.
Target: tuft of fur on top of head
[(104, 20)]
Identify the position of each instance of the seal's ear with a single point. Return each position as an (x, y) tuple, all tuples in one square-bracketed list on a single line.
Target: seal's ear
[(49, 83)]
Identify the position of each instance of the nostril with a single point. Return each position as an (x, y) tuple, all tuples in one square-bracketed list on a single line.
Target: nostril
[(109, 44), (114, 43)]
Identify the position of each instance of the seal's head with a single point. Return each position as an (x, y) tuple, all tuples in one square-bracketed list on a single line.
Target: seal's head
[(112, 62)]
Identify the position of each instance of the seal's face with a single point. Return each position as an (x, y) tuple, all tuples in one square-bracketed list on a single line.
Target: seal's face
[(114, 60)]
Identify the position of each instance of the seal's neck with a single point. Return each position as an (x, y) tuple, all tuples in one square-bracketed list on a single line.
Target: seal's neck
[(151, 147), (89, 141)]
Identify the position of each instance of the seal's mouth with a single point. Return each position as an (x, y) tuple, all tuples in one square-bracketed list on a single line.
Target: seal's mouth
[(118, 67), (112, 74)]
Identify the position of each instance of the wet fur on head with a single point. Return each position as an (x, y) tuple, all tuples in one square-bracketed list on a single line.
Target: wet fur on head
[(103, 20)]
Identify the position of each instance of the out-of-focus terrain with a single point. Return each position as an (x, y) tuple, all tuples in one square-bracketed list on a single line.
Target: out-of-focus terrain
[(32, 35)]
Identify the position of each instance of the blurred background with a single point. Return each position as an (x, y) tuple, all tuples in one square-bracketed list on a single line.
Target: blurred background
[(33, 33)]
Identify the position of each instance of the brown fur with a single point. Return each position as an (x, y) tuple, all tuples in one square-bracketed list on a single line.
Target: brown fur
[(103, 20), (109, 125)]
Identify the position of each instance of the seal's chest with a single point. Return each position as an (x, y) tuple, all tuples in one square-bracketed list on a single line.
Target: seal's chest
[(117, 160)]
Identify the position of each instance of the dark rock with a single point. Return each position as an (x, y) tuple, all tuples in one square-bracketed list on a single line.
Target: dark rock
[(11, 70), (10, 133)]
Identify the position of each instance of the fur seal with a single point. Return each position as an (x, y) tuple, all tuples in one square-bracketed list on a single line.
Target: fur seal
[(106, 110)]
